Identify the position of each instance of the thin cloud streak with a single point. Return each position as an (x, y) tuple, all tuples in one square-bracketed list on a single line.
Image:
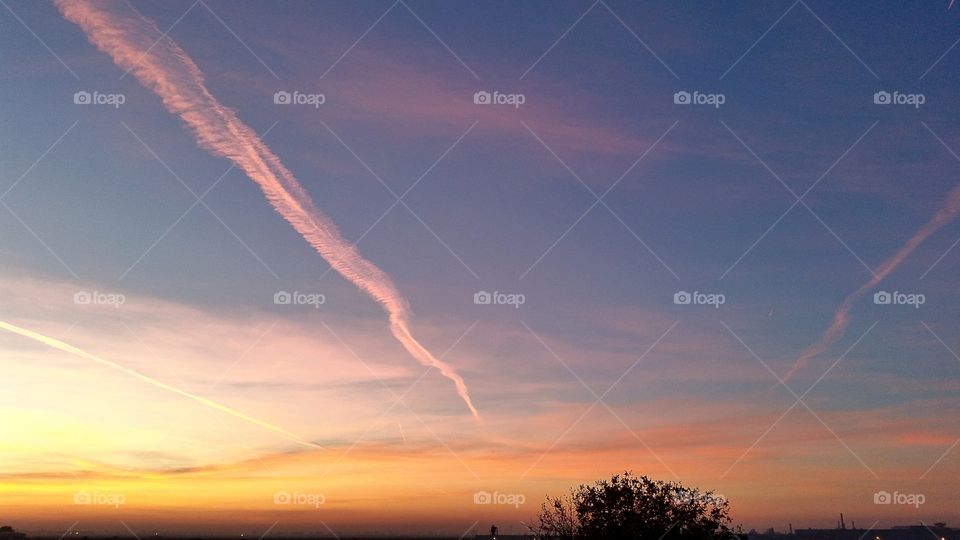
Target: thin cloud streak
[(841, 318), (137, 45), (66, 347)]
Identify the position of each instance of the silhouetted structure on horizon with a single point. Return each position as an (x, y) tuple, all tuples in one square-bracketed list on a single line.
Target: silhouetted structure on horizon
[(841, 532), (7, 533)]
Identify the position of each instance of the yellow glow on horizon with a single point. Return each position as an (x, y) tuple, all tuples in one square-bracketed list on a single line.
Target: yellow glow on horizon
[(65, 347)]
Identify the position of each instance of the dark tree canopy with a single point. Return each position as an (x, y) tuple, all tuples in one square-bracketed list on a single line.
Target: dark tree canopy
[(629, 507)]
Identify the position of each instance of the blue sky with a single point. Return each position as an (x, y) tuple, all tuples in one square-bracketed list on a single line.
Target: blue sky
[(505, 199)]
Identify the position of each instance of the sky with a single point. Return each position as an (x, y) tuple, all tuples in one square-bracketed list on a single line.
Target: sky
[(412, 266)]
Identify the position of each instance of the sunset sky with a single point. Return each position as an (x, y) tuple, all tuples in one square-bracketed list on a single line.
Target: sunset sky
[(159, 195)]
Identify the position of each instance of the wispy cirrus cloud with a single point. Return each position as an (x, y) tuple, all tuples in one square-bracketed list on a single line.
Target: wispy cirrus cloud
[(137, 45), (841, 318)]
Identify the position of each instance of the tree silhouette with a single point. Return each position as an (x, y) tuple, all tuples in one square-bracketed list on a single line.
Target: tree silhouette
[(628, 507)]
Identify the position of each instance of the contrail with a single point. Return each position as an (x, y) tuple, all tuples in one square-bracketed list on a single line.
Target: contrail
[(841, 318), (65, 347), (138, 46)]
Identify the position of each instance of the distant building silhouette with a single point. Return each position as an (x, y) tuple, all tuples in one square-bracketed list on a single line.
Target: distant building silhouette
[(937, 531), (7, 533), (495, 535)]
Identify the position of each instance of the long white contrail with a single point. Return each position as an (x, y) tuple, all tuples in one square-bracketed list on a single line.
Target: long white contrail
[(66, 347), (138, 46), (841, 318)]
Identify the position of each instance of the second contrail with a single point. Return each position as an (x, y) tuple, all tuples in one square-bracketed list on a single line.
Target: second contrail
[(67, 348)]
